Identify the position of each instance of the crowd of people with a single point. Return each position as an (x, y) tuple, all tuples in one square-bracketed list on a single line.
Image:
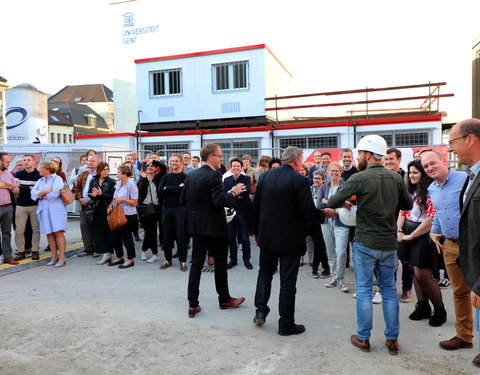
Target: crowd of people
[(423, 217)]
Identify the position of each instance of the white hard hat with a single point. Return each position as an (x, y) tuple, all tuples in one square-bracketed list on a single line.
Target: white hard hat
[(348, 217), (373, 143), (230, 213)]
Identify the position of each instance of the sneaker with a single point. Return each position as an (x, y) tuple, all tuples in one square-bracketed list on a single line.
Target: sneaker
[(165, 265), (342, 286), (331, 283), (377, 298), (143, 255), (354, 295), (153, 258), (406, 296), (444, 283), (315, 275)]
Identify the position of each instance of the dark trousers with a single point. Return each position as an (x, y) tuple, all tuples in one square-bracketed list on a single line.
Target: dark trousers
[(218, 246), (149, 225), (407, 276), (173, 225), (102, 236), (239, 225), (288, 279), (86, 230), (319, 249), (124, 234)]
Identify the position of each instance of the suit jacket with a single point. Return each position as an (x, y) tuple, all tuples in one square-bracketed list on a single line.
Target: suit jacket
[(470, 234), (282, 211), (205, 200)]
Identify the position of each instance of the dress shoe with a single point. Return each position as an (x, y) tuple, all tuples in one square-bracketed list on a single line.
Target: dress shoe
[(363, 345), (231, 264), (52, 262), (193, 310), (392, 346), (476, 360), (84, 254), (35, 255), (116, 262), (122, 266), (20, 256), (248, 265), (105, 258), (232, 303), (11, 261), (259, 319), (166, 265), (296, 329), (183, 267), (439, 317), (96, 255), (454, 344), (406, 296), (58, 265)]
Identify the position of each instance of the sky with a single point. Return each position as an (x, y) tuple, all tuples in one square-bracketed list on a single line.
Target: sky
[(326, 45)]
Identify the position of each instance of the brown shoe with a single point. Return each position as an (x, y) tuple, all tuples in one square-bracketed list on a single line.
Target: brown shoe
[(35, 255), (192, 311), (166, 265), (232, 303), (363, 345), (20, 256), (11, 261), (476, 360), (454, 344), (183, 267), (406, 296), (84, 254), (392, 346)]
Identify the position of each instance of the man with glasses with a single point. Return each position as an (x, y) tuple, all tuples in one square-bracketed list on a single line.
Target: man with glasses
[(205, 200), (187, 158)]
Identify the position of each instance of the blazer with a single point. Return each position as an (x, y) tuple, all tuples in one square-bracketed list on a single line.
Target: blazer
[(469, 238), (322, 193), (282, 211), (205, 201)]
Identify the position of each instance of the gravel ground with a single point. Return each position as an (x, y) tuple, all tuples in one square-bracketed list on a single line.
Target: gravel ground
[(89, 319)]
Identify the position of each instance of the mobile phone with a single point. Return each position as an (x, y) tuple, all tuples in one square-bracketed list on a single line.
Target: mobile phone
[(144, 166)]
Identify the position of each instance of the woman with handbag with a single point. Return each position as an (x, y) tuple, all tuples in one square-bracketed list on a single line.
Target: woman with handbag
[(101, 191), (51, 211), (149, 210), (125, 195)]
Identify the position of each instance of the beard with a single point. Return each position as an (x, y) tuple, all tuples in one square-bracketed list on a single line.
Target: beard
[(361, 165)]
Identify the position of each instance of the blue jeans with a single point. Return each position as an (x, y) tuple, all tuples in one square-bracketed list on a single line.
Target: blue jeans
[(384, 263), (477, 319)]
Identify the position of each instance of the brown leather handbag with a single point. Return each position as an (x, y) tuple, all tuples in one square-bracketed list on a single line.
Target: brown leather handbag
[(67, 195), (116, 219)]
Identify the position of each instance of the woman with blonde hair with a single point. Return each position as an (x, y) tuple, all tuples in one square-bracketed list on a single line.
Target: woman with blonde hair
[(51, 211)]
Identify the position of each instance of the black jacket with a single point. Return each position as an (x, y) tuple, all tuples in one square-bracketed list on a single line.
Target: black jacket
[(143, 188), (470, 235), (206, 200), (282, 210), (242, 204), (108, 188)]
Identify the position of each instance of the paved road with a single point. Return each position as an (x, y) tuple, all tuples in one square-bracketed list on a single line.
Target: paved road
[(89, 319)]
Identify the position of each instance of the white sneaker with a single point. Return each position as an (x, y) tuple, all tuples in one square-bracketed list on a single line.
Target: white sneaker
[(153, 258), (331, 283), (377, 298), (143, 255), (354, 295), (1, 259), (342, 286)]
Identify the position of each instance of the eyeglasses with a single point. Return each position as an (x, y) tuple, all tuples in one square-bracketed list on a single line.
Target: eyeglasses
[(334, 171), (450, 142), (318, 178)]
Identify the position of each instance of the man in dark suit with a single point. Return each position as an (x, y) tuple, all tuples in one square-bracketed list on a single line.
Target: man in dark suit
[(282, 210), (206, 200), (465, 143)]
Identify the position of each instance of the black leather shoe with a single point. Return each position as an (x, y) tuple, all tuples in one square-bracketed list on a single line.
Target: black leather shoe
[(296, 329), (259, 319), (248, 265), (122, 266), (116, 262), (231, 264)]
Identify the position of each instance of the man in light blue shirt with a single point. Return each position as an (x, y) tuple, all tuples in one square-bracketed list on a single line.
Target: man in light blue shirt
[(445, 195)]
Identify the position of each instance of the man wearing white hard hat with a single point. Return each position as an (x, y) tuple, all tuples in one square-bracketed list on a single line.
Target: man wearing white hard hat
[(379, 191)]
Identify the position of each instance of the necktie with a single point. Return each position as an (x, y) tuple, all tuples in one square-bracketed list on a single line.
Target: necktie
[(471, 175)]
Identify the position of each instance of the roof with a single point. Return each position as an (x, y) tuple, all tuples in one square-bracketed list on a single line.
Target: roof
[(83, 94), (58, 118), (77, 114), (3, 79)]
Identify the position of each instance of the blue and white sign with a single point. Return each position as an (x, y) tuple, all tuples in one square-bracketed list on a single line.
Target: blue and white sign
[(132, 33)]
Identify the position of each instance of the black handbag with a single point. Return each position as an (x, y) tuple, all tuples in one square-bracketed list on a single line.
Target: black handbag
[(90, 211), (145, 210)]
